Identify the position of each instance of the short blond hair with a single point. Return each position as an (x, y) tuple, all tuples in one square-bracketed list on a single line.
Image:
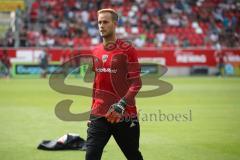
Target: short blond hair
[(110, 10)]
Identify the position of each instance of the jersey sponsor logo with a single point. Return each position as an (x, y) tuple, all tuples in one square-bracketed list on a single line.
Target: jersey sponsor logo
[(106, 70), (104, 58)]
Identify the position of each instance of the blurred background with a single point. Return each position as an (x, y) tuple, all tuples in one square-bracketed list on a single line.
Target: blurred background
[(197, 40), (188, 36)]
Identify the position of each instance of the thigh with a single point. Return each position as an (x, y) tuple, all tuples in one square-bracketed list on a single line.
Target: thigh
[(127, 136), (98, 134)]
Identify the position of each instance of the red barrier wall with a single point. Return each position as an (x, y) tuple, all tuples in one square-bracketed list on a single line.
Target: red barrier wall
[(171, 57)]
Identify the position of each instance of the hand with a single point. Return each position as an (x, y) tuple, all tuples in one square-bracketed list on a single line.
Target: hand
[(116, 111)]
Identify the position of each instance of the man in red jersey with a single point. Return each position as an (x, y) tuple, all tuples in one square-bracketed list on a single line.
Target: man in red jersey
[(117, 82)]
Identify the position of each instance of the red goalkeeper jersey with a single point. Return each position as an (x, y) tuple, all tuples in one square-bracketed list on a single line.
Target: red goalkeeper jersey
[(117, 75)]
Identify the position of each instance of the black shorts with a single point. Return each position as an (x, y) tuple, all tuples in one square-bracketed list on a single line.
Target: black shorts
[(126, 133)]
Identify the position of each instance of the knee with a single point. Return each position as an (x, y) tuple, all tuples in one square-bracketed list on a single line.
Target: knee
[(93, 153)]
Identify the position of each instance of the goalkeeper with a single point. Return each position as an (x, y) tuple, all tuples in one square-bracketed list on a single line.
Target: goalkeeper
[(117, 82)]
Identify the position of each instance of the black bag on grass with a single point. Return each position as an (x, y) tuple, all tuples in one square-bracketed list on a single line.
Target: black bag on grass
[(66, 142)]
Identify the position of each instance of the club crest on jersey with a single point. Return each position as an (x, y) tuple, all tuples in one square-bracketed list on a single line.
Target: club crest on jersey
[(104, 58)]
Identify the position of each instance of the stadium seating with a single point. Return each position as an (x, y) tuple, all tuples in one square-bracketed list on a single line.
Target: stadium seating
[(185, 23)]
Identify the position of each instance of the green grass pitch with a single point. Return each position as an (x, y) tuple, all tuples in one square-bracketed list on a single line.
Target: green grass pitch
[(27, 117)]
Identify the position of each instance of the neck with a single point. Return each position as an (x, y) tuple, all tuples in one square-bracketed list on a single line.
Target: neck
[(111, 38)]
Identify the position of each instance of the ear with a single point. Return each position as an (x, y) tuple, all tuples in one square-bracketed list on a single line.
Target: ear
[(115, 23)]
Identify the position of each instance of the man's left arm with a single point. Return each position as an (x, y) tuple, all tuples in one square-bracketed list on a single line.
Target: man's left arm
[(133, 77)]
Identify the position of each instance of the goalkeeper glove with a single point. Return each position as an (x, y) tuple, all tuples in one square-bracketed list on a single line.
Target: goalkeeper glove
[(116, 111)]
